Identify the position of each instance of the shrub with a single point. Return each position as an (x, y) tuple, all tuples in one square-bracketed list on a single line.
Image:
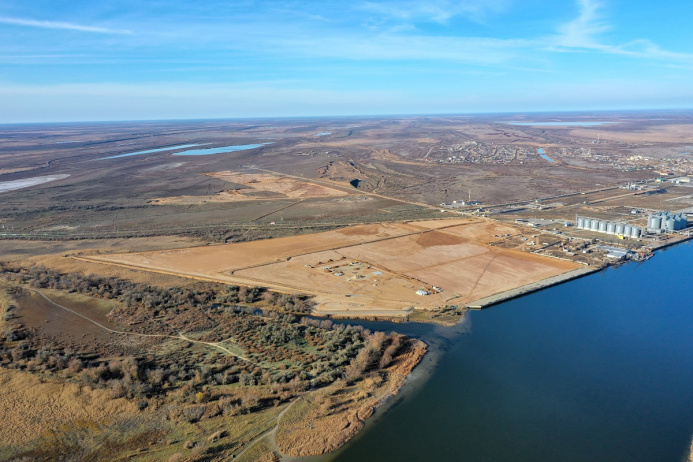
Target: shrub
[(193, 413)]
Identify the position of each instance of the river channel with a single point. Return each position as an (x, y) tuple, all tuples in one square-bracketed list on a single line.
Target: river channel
[(596, 369)]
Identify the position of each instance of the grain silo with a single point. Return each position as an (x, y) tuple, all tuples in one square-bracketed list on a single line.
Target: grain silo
[(581, 223), (602, 226), (635, 232), (619, 228), (627, 230), (655, 222), (594, 225), (681, 221), (611, 227)]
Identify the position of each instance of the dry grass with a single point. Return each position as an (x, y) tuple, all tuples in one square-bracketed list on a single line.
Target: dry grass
[(51, 418), (36, 406), (658, 134), (260, 452)]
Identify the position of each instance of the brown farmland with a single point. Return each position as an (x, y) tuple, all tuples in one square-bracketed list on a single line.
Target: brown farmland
[(367, 270)]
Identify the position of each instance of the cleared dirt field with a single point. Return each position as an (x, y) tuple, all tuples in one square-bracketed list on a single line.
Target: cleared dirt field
[(288, 187), (367, 270), (253, 185)]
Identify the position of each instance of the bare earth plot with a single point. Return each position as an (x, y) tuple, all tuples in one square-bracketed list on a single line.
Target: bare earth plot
[(278, 187), (367, 270)]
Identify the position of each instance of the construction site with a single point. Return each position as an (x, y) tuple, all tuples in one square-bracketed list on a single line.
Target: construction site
[(388, 269)]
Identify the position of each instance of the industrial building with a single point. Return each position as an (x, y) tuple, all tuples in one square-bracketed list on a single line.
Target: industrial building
[(666, 221), (614, 252), (608, 227)]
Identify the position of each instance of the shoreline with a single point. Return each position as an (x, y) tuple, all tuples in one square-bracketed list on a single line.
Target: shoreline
[(500, 297), (428, 361), (328, 419)]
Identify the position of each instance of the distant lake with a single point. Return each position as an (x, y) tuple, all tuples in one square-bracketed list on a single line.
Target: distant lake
[(151, 151), (323, 133), (596, 369), (559, 124), (210, 151)]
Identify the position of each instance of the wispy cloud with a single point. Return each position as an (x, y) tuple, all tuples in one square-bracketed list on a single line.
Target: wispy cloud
[(313, 57), (396, 47), (590, 31), (582, 32), (61, 25), (586, 33), (440, 11)]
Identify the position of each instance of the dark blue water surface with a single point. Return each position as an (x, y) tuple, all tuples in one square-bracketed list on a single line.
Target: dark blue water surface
[(597, 369)]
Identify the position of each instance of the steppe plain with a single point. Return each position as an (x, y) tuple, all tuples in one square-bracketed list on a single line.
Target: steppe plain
[(159, 299)]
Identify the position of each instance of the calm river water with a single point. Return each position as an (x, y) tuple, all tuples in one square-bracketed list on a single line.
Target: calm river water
[(597, 369)]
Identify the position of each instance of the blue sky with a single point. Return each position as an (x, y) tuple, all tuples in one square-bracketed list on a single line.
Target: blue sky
[(156, 59)]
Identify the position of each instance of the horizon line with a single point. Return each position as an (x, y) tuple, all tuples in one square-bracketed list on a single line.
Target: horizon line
[(441, 114)]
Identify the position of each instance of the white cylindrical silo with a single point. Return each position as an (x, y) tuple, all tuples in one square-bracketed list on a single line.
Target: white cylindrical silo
[(655, 222)]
